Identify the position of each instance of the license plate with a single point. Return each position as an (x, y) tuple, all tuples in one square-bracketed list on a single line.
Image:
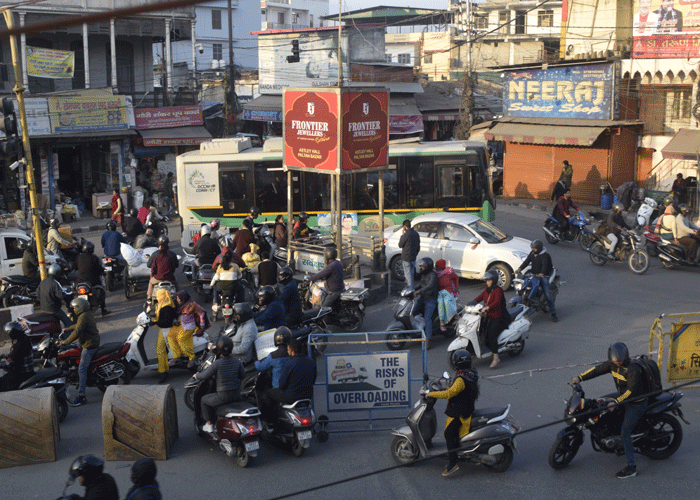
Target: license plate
[(108, 268), (252, 446), (228, 312), (83, 297), (301, 435), (361, 306)]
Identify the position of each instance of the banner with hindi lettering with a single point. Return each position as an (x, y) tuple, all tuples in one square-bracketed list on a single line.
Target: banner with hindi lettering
[(49, 63), (666, 29)]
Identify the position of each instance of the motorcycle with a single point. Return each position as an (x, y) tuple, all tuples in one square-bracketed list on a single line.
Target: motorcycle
[(407, 317), (523, 286), (202, 280), (237, 426), (628, 249), (114, 270), (93, 294), (348, 310), (17, 289), (490, 441), (39, 325), (510, 341), (658, 434), (669, 253), (51, 377), (577, 230)]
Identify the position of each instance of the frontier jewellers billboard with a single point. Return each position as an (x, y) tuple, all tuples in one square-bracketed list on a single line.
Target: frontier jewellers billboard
[(336, 130)]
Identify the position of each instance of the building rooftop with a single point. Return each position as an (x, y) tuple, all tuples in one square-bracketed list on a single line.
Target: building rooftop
[(396, 16)]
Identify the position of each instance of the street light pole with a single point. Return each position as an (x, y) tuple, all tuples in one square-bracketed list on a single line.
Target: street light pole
[(232, 73), (19, 91)]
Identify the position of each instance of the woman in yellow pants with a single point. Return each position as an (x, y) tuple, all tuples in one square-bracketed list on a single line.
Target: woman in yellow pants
[(193, 320), (164, 318)]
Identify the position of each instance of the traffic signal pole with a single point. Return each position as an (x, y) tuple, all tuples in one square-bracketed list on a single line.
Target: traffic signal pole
[(19, 91)]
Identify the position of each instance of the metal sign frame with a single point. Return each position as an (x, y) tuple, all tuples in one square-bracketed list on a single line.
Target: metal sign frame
[(673, 326)]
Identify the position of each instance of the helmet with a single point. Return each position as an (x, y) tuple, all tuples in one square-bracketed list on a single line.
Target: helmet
[(303, 216), (461, 359), (163, 240), (54, 270), (204, 230), (254, 212), (224, 346), (425, 265), (285, 275), (330, 254), (54, 223), (618, 352), (79, 305), (226, 241), (88, 247), (111, 226), (265, 295), (243, 311), (668, 200), (490, 275), (282, 336), (618, 207), (537, 245), (88, 466), (215, 224), (684, 209), (14, 329), (133, 213), (22, 244)]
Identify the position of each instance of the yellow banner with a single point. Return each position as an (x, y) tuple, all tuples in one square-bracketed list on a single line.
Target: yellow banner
[(48, 63), (88, 113), (684, 358)]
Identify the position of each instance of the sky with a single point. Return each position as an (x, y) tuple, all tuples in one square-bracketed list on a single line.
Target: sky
[(349, 5)]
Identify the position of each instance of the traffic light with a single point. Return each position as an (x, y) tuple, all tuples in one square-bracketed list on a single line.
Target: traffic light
[(10, 145), (294, 58)]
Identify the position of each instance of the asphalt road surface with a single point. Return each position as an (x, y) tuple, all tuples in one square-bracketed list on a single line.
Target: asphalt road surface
[(596, 306)]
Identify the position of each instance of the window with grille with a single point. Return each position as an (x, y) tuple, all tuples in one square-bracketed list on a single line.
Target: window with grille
[(503, 18), (215, 19), (404, 58), (665, 109), (428, 59), (545, 18), (481, 22), (521, 17), (389, 58), (678, 104), (218, 51)]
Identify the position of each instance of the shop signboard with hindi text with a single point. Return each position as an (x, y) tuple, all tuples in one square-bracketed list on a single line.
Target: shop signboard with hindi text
[(88, 112), (684, 357), (664, 29), (169, 117)]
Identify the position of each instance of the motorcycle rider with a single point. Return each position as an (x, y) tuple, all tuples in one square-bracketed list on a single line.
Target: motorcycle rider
[(88, 470), (629, 380), (615, 223), (30, 261), (111, 241), (460, 397), (85, 331), (246, 333), (51, 295), (561, 210), (163, 264), (301, 229), (90, 271), (254, 214), (428, 291), (132, 224), (54, 239), (243, 237), (229, 372), (333, 274), (277, 358), (145, 240), (290, 298), (266, 270), (143, 476), (686, 232), (19, 363), (494, 310), (542, 269), (206, 249), (215, 224), (227, 282), (271, 314), (280, 232)]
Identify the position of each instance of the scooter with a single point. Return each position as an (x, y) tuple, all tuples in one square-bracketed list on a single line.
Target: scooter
[(238, 426), (647, 212), (670, 254), (490, 441), (348, 310), (577, 230), (510, 341), (407, 317)]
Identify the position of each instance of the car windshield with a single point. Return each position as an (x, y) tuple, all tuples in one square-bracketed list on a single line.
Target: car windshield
[(488, 232)]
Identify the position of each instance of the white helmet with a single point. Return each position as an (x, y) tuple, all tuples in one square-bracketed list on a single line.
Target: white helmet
[(205, 229)]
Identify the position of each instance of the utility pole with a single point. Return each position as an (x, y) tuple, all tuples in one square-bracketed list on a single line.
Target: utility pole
[(468, 90), (19, 91), (231, 76), (340, 44)]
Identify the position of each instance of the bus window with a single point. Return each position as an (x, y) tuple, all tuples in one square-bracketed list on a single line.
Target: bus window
[(270, 187), (317, 192), (420, 188), (451, 181), (233, 191)]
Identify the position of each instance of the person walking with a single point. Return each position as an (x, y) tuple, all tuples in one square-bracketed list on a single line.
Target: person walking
[(165, 317), (117, 208), (193, 321), (168, 194), (409, 243)]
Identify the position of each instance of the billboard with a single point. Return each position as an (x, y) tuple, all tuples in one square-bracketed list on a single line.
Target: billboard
[(88, 113), (365, 130), (48, 63), (178, 116), (666, 29), (586, 91)]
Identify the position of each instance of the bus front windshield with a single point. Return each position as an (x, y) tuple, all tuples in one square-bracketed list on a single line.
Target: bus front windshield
[(488, 232)]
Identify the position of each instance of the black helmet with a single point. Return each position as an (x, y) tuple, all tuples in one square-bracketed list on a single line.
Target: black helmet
[(54, 270), (224, 346), (88, 466), (143, 472), (54, 223), (537, 245), (265, 295), (283, 336), (133, 213), (303, 216), (461, 359), (254, 212), (490, 275), (163, 240), (684, 209), (330, 254), (618, 352), (111, 226), (618, 207), (425, 265), (243, 311), (14, 329), (88, 247), (285, 275)]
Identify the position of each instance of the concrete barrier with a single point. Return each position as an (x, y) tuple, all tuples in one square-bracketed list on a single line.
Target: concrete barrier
[(29, 432), (139, 421)]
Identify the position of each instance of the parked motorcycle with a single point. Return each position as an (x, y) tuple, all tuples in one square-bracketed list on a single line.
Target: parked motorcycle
[(523, 286), (510, 341), (17, 289), (114, 271), (577, 230), (407, 317), (628, 249), (670, 254), (647, 213), (490, 441), (658, 434), (348, 311)]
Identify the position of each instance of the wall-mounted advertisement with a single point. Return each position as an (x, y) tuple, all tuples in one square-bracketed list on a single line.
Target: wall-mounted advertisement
[(586, 91), (88, 113), (666, 29), (48, 63)]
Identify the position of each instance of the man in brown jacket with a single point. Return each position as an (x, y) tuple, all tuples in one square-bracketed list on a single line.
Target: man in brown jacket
[(85, 332)]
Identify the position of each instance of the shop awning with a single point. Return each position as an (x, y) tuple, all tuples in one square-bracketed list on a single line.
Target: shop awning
[(177, 136), (685, 145), (266, 108), (544, 134)]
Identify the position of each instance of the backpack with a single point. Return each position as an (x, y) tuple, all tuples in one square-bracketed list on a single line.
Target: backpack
[(652, 375)]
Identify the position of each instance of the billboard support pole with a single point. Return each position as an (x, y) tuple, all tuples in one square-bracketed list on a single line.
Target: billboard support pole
[(290, 215), (339, 232), (340, 46)]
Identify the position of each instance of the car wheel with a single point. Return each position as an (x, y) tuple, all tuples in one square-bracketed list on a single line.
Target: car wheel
[(396, 267), (505, 276)]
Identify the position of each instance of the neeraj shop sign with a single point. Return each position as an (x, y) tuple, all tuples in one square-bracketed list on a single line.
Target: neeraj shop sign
[(315, 119)]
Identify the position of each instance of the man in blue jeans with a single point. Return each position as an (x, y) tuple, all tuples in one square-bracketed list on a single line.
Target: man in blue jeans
[(86, 333), (409, 243), (542, 269), (51, 295), (428, 291)]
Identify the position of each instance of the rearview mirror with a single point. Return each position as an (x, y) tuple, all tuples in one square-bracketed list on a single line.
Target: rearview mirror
[(473, 241), (445, 375)]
